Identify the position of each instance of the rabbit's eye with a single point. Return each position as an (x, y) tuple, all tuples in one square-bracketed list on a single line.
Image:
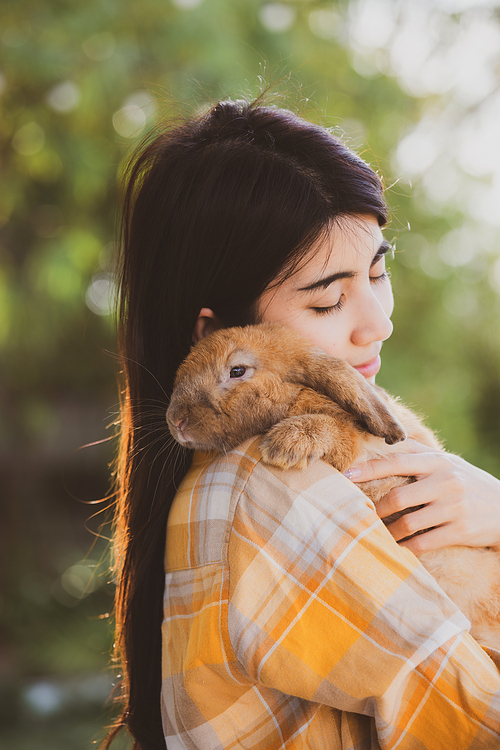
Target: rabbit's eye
[(237, 372)]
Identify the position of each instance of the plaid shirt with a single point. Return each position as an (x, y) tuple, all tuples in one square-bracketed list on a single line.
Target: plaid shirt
[(293, 620)]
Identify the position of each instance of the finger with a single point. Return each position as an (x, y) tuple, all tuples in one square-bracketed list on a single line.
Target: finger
[(411, 523), (398, 464), (406, 496), (432, 539)]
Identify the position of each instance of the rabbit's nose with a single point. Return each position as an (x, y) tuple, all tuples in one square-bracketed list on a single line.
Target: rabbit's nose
[(181, 424)]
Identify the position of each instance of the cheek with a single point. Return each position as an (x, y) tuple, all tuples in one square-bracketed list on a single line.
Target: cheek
[(322, 331), (329, 333)]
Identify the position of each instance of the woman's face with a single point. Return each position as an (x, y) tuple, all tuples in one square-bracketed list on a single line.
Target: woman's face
[(341, 299)]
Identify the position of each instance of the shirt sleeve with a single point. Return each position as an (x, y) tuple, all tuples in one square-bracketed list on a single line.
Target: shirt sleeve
[(324, 605)]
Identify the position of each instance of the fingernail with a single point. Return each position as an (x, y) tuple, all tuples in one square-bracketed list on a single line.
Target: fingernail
[(352, 473)]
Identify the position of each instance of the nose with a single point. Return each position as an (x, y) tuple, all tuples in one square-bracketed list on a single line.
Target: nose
[(373, 322), (181, 424)]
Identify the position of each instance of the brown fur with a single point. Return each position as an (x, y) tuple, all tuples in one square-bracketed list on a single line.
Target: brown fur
[(308, 406)]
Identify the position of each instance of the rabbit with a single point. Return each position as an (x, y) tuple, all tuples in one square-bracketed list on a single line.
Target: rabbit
[(268, 380)]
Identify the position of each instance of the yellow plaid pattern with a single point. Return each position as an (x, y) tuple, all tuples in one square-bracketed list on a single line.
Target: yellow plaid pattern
[(293, 620)]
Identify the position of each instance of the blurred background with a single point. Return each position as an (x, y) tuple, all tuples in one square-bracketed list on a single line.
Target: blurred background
[(412, 85)]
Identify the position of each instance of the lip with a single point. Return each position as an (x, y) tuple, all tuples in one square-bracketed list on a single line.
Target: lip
[(369, 369)]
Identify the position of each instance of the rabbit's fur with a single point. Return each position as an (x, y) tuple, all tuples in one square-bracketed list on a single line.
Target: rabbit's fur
[(268, 380)]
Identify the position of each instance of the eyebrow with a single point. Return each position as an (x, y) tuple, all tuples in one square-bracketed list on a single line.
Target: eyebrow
[(324, 283)]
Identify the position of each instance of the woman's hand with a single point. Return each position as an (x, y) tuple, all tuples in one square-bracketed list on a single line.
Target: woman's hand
[(461, 501)]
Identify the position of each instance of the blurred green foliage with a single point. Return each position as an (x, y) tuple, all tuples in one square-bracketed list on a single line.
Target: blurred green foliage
[(79, 83)]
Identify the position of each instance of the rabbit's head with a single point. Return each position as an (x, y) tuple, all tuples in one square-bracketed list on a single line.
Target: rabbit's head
[(229, 388)]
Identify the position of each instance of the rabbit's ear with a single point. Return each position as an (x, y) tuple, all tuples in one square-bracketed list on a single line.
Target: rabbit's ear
[(347, 387)]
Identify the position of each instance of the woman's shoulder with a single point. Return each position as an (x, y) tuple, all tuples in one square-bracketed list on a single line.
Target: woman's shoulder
[(234, 481), (300, 502), (243, 470), (221, 488)]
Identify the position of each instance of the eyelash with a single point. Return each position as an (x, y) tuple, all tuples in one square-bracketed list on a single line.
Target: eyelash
[(340, 304), (383, 276), (332, 308)]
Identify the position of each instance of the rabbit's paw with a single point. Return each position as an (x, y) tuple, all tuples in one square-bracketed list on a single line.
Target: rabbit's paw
[(292, 443)]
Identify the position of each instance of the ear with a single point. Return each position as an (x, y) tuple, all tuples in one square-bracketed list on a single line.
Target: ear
[(206, 323), (341, 383)]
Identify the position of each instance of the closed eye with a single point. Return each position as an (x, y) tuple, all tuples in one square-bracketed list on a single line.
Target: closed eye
[(381, 277), (329, 309)]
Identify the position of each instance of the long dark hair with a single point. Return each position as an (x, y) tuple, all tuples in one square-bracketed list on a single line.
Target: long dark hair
[(215, 210)]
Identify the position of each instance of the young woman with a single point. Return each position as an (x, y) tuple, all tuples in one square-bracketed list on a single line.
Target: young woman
[(291, 617)]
